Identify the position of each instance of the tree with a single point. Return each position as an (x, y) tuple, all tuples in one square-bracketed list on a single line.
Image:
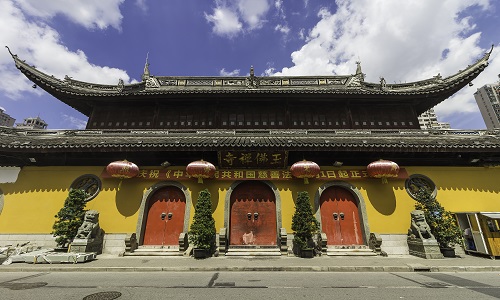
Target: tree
[(442, 223), (304, 224), (70, 217), (202, 230)]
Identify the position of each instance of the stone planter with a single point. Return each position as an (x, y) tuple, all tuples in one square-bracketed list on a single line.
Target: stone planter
[(307, 253), (448, 252), (200, 253)]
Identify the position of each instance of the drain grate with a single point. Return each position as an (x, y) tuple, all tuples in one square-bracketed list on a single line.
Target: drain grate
[(103, 296)]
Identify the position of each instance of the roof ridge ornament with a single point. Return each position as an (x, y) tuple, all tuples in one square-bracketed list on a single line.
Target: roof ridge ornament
[(383, 83), (359, 72), (11, 54), (146, 74), (252, 82), (120, 86)]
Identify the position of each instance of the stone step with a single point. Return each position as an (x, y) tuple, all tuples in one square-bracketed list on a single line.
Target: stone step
[(253, 251), (156, 251), (349, 247), (176, 253), (354, 250)]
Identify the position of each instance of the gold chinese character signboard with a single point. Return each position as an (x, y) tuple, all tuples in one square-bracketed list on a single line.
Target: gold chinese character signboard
[(254, 174), (253, 159)]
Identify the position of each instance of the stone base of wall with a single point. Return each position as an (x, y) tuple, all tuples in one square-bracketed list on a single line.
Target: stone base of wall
[(39, 240), (114, 243), (394, 244)]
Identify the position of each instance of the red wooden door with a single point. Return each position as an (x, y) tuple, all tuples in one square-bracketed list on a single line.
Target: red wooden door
[(253, 215), (165, 220), (340, 217)]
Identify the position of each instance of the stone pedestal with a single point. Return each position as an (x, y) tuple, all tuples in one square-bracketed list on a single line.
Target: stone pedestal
[(426, 248), (87, 246)]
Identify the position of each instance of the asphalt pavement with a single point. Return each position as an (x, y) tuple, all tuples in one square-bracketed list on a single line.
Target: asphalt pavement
[(114, 263)]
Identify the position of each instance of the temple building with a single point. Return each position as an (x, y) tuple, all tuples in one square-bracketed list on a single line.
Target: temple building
[(241, 136)]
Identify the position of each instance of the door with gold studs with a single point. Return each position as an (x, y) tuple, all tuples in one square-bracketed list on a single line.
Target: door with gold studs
[(165, 219), (252, 215), (340, 217)]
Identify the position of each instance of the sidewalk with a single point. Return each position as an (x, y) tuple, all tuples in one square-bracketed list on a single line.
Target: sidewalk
[(109, 263)]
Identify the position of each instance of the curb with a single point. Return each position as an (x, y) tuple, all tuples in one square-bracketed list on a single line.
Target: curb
[(69, 268)]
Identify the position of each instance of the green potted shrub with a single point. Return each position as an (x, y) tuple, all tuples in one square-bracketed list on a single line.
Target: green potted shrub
[(69, 218), (304, 225), (202, 230), (442, 223)]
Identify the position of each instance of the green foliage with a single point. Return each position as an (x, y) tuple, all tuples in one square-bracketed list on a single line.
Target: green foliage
[(202, 231), (70, 217), (304, 224), (442, 223)]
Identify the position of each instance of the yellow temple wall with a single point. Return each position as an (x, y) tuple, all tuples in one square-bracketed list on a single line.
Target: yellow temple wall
[(30, 204)]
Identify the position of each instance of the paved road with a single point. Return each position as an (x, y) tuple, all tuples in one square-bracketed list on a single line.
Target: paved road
[(248, 285)]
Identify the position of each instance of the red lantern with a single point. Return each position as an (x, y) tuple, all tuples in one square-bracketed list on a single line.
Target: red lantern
[(200, 169), (383, 169), (122, 169), (305, 169)]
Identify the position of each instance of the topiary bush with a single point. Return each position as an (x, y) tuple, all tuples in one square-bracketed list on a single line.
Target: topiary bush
[(202, 230), (70, 218), (304, 224), (442, 222)]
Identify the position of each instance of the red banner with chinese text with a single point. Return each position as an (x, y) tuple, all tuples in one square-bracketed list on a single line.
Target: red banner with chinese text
[(181, 174)]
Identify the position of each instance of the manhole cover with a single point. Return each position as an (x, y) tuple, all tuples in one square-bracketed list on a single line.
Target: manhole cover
[(436, 284), (103, 296)]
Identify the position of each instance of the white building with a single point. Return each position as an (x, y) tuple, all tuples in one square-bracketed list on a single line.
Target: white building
[(5, 119), (32, 123), (428, 120), (488, 100)]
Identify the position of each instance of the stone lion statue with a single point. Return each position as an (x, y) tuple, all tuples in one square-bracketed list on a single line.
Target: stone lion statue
[(419, 227), (90, 228)]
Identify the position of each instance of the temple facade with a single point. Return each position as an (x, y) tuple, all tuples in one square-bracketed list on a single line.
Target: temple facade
[(252, 130)]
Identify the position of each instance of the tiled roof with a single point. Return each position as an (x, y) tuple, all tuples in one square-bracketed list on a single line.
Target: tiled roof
[(322, 140), (73, 92)]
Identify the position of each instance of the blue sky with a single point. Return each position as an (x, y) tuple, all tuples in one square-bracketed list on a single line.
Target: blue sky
[(105, 40)]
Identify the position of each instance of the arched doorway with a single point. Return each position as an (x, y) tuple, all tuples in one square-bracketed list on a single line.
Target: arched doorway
[(340, 218), (252, 219), (165, 217)]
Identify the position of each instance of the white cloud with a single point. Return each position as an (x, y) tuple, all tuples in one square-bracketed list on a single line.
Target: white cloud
[(282, 28), (142, 5), (88, 13), (40, 45), (400, 40), (230, 18), (253, 11), (223, 72), (225, 22), (74, 122)]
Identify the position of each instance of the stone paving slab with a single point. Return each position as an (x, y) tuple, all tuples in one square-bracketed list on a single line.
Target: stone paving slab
[(109, 263)]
